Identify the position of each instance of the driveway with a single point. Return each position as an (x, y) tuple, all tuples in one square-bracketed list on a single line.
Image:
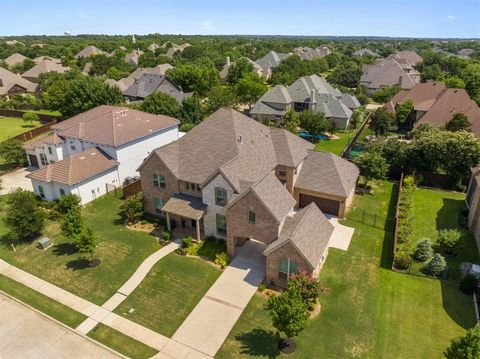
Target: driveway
[(341, 236), (15, 179), (208, 325), (25, 333)]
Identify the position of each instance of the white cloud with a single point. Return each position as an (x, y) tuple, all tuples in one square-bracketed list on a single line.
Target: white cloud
[(452, 17)]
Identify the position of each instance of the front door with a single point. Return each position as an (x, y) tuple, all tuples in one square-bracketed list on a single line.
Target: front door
[(33, 160), (183, 222)]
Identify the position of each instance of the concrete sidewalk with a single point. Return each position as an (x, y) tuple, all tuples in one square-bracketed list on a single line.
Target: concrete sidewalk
[(210, 322)]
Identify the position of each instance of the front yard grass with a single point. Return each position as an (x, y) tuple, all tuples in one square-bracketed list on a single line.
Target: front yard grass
[(13, 126), (41, 302), (169, 293), (367, 310), (337, 145), (121, 343), (120, 250)]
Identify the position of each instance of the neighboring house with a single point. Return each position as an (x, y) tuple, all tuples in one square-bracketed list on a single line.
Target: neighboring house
[(406, 56), (308, 92), (13, 84), (14, 59), (149, 83), (465, 53), (14, 42), (153, 47), (365, 52), (42, 67), (307, 53), (473, 203), (265, 72), (436, 104), (174, 48), (272, 59), (132, 57), (128, 81), (43, 58), (125, 135), (388, 72), (255, 182), (89, 51)]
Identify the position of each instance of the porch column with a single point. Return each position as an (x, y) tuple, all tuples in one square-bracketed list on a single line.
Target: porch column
[(169, 227), (197, 225)]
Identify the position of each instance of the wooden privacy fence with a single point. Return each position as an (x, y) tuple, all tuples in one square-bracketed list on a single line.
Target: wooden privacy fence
[(132, 189), (395, 231), (18, 113), (354, 139), (28, 135)]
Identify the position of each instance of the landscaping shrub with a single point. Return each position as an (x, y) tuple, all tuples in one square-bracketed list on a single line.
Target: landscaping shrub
[(132, 208), (403, 260), (465, 347), (262, 287), (449, 241), (423, 250), (437, 265), (222, 259), (210, 247), (468, 284), (405, 212), (308, 288), (187, 242), (166, 235)]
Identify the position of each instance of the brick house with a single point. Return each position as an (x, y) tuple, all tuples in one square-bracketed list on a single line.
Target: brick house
[(233, 178)]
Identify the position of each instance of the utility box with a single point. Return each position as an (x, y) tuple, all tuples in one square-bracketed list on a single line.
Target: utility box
[(44, 243)]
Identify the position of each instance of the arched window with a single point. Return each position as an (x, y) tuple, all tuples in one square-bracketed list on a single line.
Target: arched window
[(158, 180)]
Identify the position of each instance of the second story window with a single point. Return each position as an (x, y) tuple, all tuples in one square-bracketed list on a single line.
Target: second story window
[(251, 216), (43, 159), (192, 187), (282, 171), (50, 150), (158, 180), (220, 196), (72, 145)]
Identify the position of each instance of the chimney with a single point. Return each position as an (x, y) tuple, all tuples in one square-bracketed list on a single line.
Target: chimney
[(311, 105), (240, 139), (228, 61)]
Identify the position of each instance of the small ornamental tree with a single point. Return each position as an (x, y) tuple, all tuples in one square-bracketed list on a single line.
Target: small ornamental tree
[(291, 121), (372, 166), (87, 243), (465, 347), (423, 250), (437, 265), (30, 117), (459, 122), (289, 314), (132, 208), (307, 286), (449, 240), (23, 216), (315, 122), (69, 212)]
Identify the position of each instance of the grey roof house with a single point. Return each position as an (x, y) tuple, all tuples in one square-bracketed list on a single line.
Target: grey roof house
[(308, 92), (272, 59), (149, 83), (89, 51), (365, 52), (307, 53)]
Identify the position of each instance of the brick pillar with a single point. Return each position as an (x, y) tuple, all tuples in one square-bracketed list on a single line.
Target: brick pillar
[(231, 246)]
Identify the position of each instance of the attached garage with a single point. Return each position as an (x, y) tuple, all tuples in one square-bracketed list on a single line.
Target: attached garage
[(326, 205)]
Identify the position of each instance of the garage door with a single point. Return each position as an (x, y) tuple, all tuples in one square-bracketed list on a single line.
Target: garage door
[(326, 205)]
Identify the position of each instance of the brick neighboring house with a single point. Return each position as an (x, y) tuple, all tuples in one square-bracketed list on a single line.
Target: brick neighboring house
[(435, 104), (308, 92), (120, 139), (233, 178)]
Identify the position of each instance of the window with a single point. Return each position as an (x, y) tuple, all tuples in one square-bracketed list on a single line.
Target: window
[(158, 204), (300, 106), (42, 193), (50, 150), (72, 145), (286, 267), (158, 180), (251, 216), (192, 187), (62, 192), (220, 197), (43, 159), (282, 171), (221, 225)]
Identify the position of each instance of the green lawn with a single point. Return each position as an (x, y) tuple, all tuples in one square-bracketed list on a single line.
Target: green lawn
[(13, 126), (120, 250), (121, 343), (42, 303), (169, 293), (337, 145), (367, 310)]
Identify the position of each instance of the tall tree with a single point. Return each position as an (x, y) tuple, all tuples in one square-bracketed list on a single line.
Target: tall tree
[(161, 103), (315, 122), (291, 122), (459, 122), (465, 347), (403, 112), (372, 166), (381, 121), (250, 88), (238, 70)]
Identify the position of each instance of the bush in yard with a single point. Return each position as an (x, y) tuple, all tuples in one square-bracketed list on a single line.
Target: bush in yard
[(437, 265), (222, 259), (468, 284), (187, 242), (23, 216), (166, 235), (449, 240), (405, 211), (307, 286), (289, 314), (403, 260), (11, 151), (372, 166), (465, 347), (132, 208), (423, 250)]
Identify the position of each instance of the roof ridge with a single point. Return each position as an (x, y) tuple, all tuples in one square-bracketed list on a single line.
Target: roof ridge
[(306, 210)]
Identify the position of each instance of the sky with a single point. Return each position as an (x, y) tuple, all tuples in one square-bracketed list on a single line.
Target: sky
[(396, 18)]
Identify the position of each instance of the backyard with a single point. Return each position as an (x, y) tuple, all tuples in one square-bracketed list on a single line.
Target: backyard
[(336, 145), (367, 310), (13, 126), (120, 250), (169, 293)]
